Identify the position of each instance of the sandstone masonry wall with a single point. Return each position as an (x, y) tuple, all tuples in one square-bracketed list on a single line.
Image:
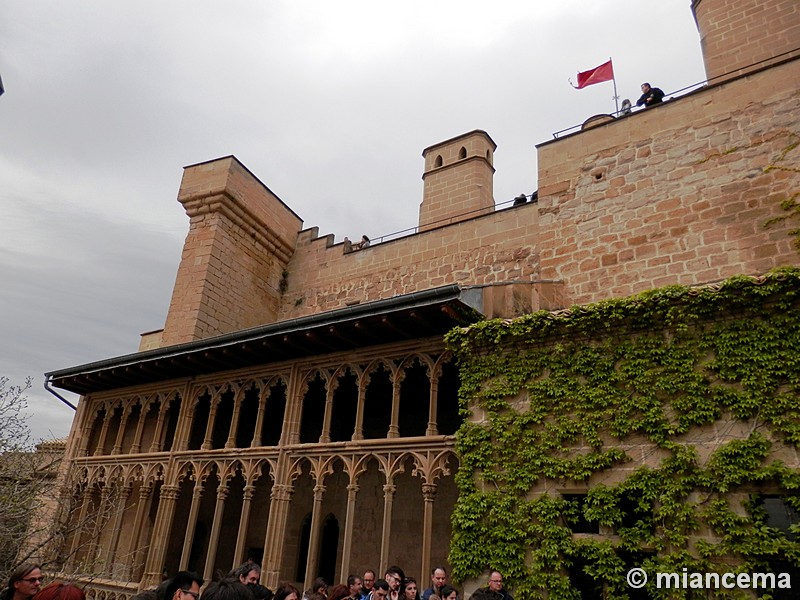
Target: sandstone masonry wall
[(677, 194), (495, 248), (240, 238), (738, 33)]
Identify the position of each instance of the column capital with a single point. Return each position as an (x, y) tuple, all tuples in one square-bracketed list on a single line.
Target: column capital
[(429, 491), (170, 492), (282, 492)]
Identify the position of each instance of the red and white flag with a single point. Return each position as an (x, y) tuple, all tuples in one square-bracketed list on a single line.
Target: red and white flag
[(604, 72)]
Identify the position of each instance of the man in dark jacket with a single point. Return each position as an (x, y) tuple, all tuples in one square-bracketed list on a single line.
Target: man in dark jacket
[(650, 96), (496, 586)]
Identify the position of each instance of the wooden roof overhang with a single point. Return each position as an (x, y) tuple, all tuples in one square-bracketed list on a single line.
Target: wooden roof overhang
[(401, 318)]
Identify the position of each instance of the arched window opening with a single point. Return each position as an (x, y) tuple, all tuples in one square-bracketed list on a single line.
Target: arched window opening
[(438, 162), (313, 411), (150, 415), (302, 550), (345, 403), (97, 427), (447, 418), (378, 404), (415, 394), (223, 419), (167, 442), (462, 154), (113, 428), (131, 426), (248, 412), (328, 548), (273, 415), (201, 413)]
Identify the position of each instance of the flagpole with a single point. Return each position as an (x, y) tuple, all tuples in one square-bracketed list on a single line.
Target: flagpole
[(616, 96)]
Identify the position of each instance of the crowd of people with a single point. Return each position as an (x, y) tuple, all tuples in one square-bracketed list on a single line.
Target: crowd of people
[(25, 583)]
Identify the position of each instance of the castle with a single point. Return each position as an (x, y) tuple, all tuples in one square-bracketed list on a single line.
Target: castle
[(299, 406)]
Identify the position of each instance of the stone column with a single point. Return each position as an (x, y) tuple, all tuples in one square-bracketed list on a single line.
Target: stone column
[(313, 543), (394, 427), (222, 494), (191, 524), (386, 531), (349, 524), (101, 441), (136, 447), (290, 432), (154, 565), (262, 406), (358, 433), (212, 415), (134, 548), (186, 416), (116, 526), (75, 546), (123, 422), (237, 409), (83, 449), (157, 445), (244, 518), (100, 519), (433, 404), (428, 496), (281, 497), (326, 419)]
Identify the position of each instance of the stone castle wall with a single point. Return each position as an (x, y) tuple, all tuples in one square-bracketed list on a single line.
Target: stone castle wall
[(678, 194), (240, 238), (737, 33)]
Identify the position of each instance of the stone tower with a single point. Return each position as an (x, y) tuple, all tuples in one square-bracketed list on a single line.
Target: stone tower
[(458, 180), (240, 239), (735, 34)]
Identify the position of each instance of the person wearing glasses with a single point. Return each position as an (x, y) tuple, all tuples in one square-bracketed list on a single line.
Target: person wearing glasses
[(367, 581), (184, 585), (394, 576), (496, 586), (23, 583)]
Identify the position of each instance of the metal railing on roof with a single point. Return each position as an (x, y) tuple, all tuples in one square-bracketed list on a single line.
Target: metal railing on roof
[(456, 218), (618, 114), (622, 113)]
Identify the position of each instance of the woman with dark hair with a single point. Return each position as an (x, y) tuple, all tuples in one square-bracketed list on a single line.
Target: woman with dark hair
[(339, 592), (59, 590), (23, 583), (410, 589), (448, 593), (320, 586), (286, 591)]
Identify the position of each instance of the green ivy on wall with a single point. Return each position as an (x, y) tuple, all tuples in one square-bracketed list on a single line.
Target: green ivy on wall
[(673, 409)]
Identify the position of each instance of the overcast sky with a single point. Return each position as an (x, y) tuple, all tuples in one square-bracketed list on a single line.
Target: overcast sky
[(329, 103)]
